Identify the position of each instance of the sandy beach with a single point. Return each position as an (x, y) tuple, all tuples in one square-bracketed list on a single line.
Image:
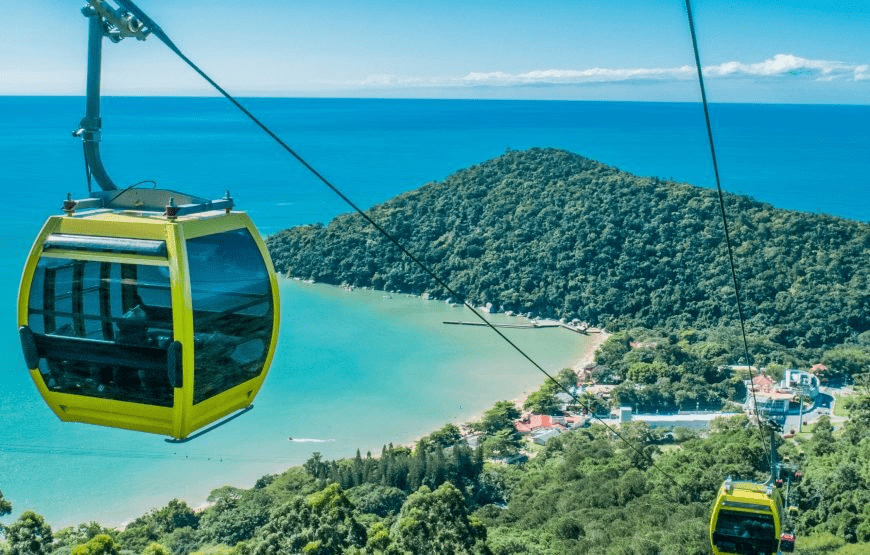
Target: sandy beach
[(582, 360)]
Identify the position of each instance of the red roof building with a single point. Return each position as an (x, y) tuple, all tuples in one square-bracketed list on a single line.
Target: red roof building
[(819, 368), (540, 421), (762, 383)]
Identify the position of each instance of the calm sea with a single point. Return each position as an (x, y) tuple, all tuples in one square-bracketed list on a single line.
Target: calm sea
[(354, 370)]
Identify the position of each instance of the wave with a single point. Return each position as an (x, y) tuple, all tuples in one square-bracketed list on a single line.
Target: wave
[(309, 440)]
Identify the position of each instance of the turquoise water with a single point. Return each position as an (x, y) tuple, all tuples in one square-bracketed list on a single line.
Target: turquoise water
[(355, 370)]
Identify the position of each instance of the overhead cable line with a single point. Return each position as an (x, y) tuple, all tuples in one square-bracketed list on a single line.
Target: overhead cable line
[(725, 224), (159, 33)]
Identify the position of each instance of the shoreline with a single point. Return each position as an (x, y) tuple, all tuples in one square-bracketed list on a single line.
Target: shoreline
[(577, 362), (583, 359), (574, 359)]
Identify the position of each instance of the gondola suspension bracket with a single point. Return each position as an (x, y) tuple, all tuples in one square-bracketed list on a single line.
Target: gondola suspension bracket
[(118, 24)]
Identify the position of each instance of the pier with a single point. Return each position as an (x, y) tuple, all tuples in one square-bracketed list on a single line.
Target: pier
[(531, 325)]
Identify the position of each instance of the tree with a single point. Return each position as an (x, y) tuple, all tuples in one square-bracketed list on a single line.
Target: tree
[(543, 401), (176, 514), (500, 417), (5, 506), (567, 378), (235, 517), (158, 523), (612, 351), (182, 541), (155, 548), (447, 436), (847, 361), (322, 523), (101, 544), (437, 522), (72, 536), (502, 444), (377, 499), (823, 437), (29, 535)]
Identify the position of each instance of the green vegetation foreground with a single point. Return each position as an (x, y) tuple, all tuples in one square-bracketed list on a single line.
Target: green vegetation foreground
[(584, 492)]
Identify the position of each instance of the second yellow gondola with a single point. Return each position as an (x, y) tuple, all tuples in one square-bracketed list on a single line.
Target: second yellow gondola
[(747, 520)]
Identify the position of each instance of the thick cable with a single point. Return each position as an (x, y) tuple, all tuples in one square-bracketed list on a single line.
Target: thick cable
[(725, 225)]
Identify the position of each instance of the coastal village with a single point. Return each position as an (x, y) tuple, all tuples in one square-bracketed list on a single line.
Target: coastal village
[(797, 400)]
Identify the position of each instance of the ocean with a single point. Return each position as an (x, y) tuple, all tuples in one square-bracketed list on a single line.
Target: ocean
[(353, 369)]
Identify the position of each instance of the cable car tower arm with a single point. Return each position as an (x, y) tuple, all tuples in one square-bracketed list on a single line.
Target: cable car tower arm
[(116, 25)]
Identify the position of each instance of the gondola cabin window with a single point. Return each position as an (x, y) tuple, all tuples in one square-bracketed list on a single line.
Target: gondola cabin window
[(743, 532), (232, 301), (104, 328)]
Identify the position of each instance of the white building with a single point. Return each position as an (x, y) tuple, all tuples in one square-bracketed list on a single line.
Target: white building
[(801, 382)]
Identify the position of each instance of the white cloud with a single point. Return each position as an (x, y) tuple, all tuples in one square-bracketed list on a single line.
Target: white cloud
[(779, 66), (574, 76), (782, 65)]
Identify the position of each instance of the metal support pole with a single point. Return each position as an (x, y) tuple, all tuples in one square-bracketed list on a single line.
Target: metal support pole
[(801, 414), (90, 125), (773, 462)]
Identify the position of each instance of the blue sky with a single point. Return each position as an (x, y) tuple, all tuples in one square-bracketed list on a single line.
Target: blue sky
[(761, 51)]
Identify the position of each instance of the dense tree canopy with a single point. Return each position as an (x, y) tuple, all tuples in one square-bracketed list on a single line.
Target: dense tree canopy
[(586, 492), (552, 233), (29, 535), (670, 372)]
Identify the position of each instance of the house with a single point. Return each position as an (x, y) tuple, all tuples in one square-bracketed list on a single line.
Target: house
[(544, 426), (543, 435), (822, 372), (802, 383), (537, 421), (567, 402), (604, 391), (474, 440), (763, 383)]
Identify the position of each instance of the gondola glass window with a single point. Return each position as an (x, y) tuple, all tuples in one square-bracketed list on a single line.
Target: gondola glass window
[(232, 311), (123, 311), (742, 532)]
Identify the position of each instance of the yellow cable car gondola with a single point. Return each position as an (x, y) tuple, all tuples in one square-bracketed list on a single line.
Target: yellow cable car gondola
[(145, 309), (747, 520)]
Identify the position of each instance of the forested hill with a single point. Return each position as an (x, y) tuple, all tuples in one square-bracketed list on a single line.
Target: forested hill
[(555, 234)]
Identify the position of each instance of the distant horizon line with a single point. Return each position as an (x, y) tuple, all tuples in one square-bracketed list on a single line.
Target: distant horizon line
[(430, 99)]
